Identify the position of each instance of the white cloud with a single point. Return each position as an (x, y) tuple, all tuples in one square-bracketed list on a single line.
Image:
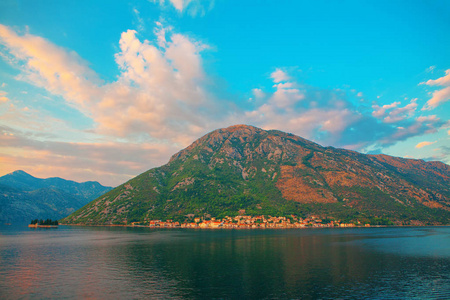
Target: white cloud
[(279, 75)]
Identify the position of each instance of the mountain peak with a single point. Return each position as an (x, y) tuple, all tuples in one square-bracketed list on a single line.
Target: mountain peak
[(20, 173), (240, 127), (245, 142), (270, 172)]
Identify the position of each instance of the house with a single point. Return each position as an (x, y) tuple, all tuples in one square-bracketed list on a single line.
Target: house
[(216, 224)]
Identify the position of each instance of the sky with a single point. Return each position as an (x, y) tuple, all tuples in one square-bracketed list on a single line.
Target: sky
[(105, 90)]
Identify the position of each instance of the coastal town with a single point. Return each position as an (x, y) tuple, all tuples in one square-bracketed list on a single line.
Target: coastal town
[(247, 222)]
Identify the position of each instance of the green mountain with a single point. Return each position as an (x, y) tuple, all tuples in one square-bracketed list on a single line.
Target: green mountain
[(278, 174), (24, 197)]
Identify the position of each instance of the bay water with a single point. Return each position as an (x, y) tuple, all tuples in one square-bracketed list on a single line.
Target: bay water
[(75, 262)]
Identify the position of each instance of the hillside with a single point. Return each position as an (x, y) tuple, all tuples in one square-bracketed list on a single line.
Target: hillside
[(24, 197), (276, 173)]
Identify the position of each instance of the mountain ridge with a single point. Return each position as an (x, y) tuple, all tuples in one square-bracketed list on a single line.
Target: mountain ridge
[(271, 172), (24, 197)]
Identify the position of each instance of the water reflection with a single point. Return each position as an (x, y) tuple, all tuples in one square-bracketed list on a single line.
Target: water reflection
[(80, 262)]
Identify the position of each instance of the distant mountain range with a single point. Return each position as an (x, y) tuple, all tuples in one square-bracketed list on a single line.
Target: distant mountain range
[(247, 170), (24, 197)]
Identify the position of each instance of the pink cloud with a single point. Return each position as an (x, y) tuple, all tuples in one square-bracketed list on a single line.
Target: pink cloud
[(159, 92), (391, 113), (113, 162), (423, 144), (439, 96), (51, 67)]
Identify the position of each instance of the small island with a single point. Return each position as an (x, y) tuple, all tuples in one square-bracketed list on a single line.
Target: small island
[(49, 223)]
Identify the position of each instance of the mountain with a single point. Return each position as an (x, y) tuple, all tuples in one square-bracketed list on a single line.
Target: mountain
[(274, 173), (24, 197)]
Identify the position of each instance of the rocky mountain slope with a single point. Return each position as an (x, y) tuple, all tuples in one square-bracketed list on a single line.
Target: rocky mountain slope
[(24, 197), (274, 173)]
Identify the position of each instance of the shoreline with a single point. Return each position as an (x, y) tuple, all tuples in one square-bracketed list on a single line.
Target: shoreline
[(42, 226), (249, 227)]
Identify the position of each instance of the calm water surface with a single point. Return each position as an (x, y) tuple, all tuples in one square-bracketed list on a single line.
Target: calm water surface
[(142, 263)]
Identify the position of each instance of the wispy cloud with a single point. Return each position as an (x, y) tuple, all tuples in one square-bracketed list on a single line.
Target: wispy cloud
[(192, 7), (140, 22), (423, 144)]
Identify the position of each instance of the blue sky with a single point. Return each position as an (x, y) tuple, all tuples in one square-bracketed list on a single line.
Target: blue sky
[(104, 90)]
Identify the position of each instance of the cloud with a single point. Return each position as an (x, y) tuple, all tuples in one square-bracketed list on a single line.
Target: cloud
[(416, 127), (442, 155), (443, 81), (381, 111), (439, 96), (192, 7), (321, 115), (113, 162), (329, 118), (391, 113), (3, 98), (259, 93), (279, 75), (423, 144), (48, 66), (430, 69), (160, 94), (162, 101), (140, 21)]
